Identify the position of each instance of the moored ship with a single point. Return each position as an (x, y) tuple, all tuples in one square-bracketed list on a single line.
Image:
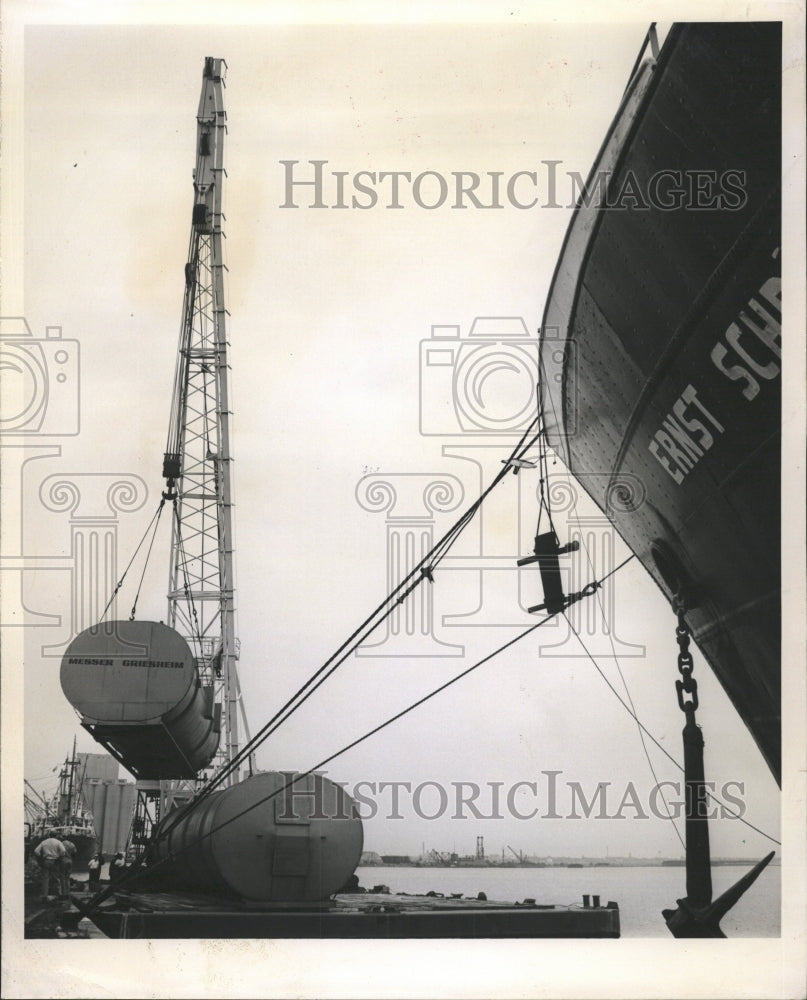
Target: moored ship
[(662, 345), (65, 816)]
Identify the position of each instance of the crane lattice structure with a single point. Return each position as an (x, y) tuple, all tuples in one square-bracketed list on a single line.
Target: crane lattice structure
[(197, 464)]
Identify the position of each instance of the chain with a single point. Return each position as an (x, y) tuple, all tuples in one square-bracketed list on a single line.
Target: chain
[(688, 685)]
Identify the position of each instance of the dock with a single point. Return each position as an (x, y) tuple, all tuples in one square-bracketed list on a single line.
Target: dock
[(365, 915)]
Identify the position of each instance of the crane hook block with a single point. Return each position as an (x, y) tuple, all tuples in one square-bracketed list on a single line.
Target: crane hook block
[(547, 550), (172, 467)]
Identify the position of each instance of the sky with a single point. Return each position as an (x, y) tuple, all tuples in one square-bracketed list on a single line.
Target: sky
[(329, 308)]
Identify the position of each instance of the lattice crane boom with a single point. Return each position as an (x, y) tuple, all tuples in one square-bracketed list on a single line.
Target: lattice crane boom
[(197, 464)]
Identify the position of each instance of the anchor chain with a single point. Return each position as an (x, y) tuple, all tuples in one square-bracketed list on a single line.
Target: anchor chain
[(688, 685), (697, 915)]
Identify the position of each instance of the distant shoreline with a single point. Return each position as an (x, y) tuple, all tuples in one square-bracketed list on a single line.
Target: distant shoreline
[(564, 863)]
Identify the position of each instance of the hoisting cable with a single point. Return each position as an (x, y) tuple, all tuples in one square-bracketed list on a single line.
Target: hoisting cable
[(666, 753), (155, 517), (543, 463), (134, 874), (264, 734), (194, 619), (205, 372), (416, 575), (649, 759), (137, 873), (543, 486), (339, 656), (178, 396), (146, 561), (425, 568), (545, 500), (422, 570), (609, 632), (344, 651)]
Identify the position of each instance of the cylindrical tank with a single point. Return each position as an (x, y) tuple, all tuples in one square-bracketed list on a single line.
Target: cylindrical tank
[(112, 804), (136, 686), (270, 837)]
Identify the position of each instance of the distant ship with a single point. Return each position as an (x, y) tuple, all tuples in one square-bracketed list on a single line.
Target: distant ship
[(65, 816)]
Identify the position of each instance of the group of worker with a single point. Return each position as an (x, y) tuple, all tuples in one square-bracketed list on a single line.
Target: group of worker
[(55, 860)]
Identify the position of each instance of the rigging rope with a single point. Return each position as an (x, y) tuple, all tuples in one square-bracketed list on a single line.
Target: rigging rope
[(545, 501), (181, 812), (267, 731), (609, 632), (422, 570), (155, 517), (543, 449), (93, 903), (186, 326), (666, 753), (186, 586), (148, 556)]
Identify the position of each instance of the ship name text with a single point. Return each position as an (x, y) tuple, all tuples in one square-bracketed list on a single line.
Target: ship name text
[(683, 438), (748, 352), (737, 354)]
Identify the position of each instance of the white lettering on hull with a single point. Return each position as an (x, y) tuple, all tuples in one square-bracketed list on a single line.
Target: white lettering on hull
[(748, 352)]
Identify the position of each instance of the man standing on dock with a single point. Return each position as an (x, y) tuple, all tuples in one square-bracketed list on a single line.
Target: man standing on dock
[(48, 856), (94, 866), (65, 867)]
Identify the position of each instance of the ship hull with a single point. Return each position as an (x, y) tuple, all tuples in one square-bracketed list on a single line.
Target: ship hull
[(662, 340)]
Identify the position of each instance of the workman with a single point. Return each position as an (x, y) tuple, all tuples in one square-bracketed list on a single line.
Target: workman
[(65, 865), (118, 867), (47, 855), (94, 870)]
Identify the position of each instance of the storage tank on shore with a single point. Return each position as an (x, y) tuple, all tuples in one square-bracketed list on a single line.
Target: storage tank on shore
[(136, 687), (271, 837)]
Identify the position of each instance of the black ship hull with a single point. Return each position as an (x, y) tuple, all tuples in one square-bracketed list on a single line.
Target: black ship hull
[(661, 345)]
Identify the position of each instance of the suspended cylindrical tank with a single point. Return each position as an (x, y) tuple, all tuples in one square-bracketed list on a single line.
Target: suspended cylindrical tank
[(136, 686), (273, 836)]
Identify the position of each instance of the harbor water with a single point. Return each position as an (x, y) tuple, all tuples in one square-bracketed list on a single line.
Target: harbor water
[(641, 892)]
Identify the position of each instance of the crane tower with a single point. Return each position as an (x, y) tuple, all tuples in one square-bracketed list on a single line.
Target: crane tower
[(197, 465)]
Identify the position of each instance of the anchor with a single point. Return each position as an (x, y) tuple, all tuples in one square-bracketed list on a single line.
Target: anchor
[(547, 549), (697, 915)]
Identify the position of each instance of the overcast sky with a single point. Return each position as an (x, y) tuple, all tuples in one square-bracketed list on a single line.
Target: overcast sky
[(328, 311)]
